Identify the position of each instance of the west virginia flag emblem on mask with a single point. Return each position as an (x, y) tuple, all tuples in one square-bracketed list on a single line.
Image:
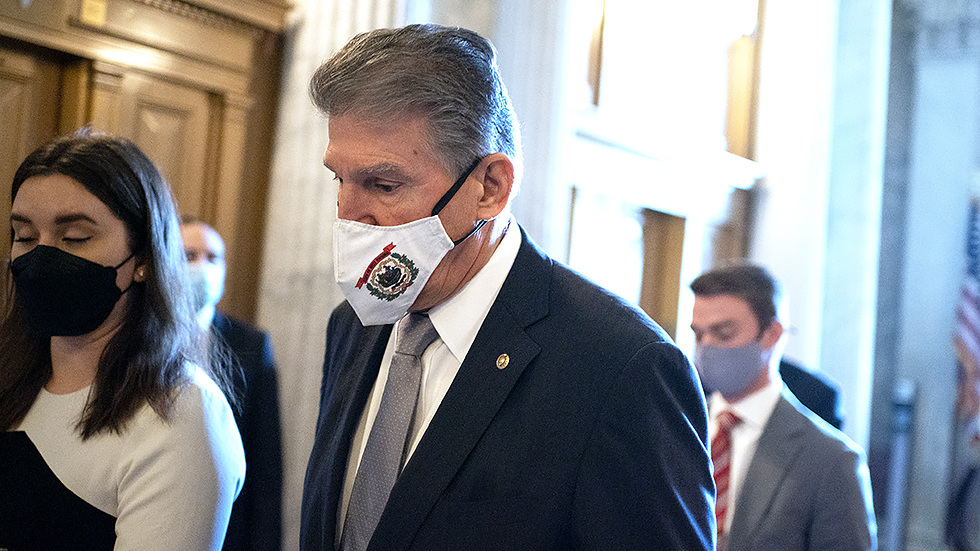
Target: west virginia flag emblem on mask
[(389, 275), (382, 280)]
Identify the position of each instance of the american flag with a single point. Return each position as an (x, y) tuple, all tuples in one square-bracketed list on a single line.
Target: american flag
[(961, 514), (967, 338)]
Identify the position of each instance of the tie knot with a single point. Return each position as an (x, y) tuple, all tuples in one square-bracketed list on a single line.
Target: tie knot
[(727, 421), (415, 334)]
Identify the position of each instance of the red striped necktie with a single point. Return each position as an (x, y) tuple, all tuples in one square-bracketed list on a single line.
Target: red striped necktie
[(721, 457)]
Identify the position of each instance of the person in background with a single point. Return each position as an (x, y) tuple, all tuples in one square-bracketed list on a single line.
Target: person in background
[(786, 480), (256, 522), (115, 433), (477, 394), (814, 389)]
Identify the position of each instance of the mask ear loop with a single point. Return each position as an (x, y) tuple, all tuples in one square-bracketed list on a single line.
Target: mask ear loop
[(125, 261), (120, 266), (446, 197)]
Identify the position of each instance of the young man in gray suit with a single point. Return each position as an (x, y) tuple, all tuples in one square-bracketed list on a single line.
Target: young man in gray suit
[(787, 480), (519, 406)]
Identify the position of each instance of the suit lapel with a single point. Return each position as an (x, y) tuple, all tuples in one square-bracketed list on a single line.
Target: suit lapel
[(473, 399), (777, 446), (350, 382)]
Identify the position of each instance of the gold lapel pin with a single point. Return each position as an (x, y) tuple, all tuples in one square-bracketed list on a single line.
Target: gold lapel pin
[(502, 361)]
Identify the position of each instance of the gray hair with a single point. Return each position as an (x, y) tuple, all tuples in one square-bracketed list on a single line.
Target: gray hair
[(448, 75)]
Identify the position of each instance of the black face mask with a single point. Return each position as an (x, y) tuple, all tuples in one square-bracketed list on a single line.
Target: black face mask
[(62, 294)]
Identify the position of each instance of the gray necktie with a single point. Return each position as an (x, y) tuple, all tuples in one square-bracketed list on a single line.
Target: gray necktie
[(387, 445)]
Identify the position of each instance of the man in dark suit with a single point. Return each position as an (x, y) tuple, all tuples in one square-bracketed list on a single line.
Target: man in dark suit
[(786, 479), (256, 515), (546, 413), (814, 390)]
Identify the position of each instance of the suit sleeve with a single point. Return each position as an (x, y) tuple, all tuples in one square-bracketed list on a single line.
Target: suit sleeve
[(646, 477), (844, 517), (265, 461)]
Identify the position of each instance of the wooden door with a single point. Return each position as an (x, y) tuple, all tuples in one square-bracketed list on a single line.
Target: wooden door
[(169, 122), (663, 253), (30, 103)]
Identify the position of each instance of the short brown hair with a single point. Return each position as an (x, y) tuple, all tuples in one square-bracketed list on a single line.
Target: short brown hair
[(751, 283)]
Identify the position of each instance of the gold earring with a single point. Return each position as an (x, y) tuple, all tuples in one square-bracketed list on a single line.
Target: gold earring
[(140, 273)]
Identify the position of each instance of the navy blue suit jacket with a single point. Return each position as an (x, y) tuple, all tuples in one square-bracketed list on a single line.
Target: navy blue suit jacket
[(592, 437), (256, 522)]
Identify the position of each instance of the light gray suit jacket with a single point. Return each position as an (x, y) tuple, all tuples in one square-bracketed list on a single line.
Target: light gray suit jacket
[(807, 488)]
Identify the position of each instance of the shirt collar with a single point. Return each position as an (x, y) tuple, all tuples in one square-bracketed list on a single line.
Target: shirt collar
[(459, 319), (755, 408)]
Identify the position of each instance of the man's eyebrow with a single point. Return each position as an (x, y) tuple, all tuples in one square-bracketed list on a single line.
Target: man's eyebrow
[(387, 171), (721, 325), (382, 170), (715, 326)]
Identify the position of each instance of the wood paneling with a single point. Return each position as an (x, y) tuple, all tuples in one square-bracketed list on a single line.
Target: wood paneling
[(169, 122), (29, 106), (180, 79), (663, 253)]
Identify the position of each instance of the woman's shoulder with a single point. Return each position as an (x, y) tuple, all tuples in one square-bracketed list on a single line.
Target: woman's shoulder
[(201, 427), (201, 388), (188, 467), (200, 402), (198, 405)]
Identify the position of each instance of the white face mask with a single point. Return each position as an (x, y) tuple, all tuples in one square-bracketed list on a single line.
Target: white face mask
[(207, 283), (382, 269)]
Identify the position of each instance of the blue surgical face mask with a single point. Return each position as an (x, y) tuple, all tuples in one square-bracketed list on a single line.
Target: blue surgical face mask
[(729, 371), (207, 284)]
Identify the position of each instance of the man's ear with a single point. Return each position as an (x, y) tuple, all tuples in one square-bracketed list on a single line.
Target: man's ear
[(498, 181), (771, 335)]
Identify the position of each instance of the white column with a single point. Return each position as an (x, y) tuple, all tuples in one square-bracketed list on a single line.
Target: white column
[(531, 42), (850, 273), (821, 144), (530, 38), (793, 149)]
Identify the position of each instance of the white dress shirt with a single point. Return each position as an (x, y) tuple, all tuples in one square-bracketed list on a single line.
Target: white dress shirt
[(754, 411), (457, 321)]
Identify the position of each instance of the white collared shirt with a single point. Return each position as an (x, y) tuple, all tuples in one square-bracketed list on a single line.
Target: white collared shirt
[(457, 321), (754, 411)]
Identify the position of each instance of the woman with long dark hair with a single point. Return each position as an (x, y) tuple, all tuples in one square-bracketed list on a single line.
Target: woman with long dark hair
[(115, 433)]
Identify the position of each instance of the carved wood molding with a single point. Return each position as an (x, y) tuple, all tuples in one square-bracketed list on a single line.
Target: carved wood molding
[(251, 15), (200, 15), (170, 38), (174, 27), (266, 14)]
